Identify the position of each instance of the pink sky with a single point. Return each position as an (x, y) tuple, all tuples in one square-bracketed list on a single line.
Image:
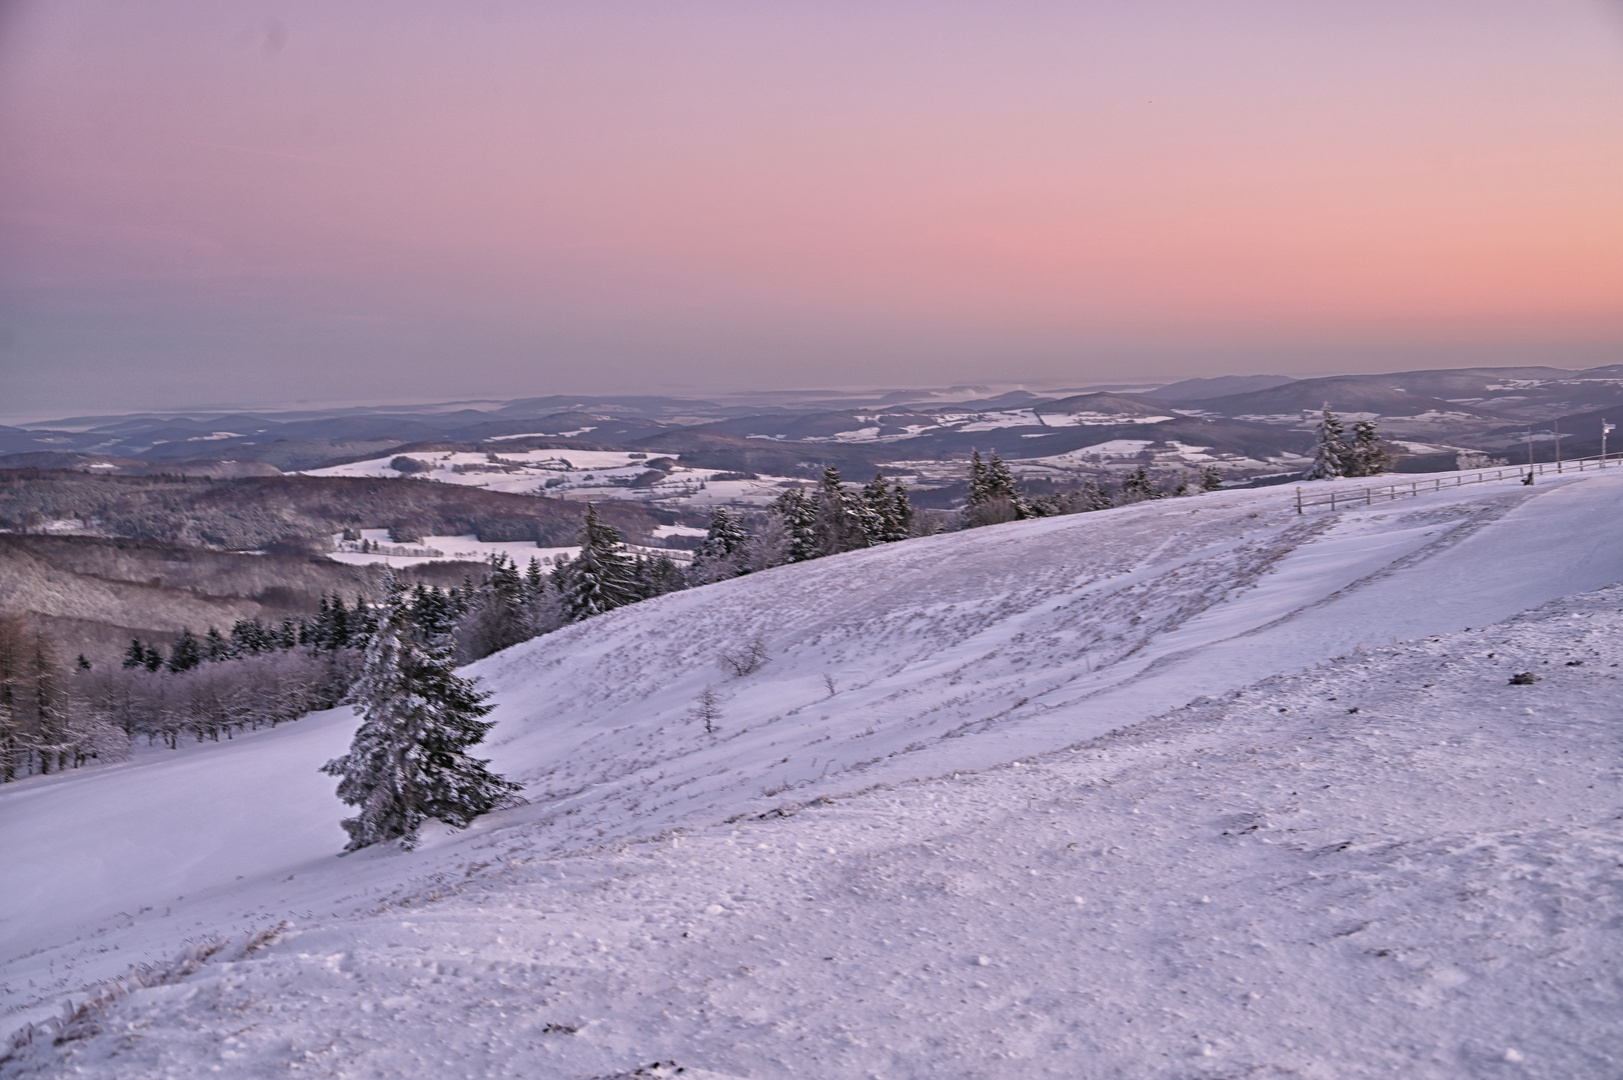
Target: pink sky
[(213, 201)]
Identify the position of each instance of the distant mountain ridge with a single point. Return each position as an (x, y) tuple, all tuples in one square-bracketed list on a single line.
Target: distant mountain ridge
[(1221, 386), (1446, 409)]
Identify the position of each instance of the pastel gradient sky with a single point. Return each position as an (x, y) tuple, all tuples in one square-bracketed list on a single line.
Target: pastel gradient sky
[(205, 201)]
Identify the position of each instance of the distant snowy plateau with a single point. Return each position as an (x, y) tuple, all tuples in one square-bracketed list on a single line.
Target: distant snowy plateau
[(1196, 788)]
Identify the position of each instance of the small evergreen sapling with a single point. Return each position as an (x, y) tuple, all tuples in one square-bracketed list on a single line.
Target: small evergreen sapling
[(408, 760)]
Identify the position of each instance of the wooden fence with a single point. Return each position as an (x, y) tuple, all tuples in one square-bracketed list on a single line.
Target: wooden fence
[(1344, 498)]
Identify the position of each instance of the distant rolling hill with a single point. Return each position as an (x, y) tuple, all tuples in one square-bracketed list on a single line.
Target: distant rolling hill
[(1341, 393), (1221, 386)]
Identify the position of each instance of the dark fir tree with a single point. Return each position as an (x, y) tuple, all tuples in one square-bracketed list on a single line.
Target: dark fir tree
[(1137, 486), (843, 521), (796, 520), (656, 575), (721, 554), (889, 510), (497, 619), (1095, 496), (1211, 478), (250, 637), (994, 497), (600, 578), (216, 647), (433, 611), (186, 653), (1368, 455), (1330, 448), (408, 761), (136, 655)]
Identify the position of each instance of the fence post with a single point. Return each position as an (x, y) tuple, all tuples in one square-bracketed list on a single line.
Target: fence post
[(1298, 500)]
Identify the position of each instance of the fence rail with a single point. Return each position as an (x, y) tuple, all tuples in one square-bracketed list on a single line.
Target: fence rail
[(1368, 496)]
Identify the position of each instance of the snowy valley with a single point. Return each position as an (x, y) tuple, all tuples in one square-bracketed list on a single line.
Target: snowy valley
[(1198, 787)]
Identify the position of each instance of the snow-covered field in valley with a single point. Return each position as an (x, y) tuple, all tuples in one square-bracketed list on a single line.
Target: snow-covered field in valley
[(1193, 788)]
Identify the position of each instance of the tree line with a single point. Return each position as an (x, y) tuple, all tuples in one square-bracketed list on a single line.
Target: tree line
[(209, 685), (1365, 453), (409, 759)]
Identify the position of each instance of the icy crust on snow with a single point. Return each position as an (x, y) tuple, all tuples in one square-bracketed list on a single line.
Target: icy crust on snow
[(1393, 864)]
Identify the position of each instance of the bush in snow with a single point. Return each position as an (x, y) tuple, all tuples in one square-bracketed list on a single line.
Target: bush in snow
[(746, 660)]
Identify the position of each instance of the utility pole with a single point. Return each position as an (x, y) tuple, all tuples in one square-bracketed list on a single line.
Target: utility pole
[(1557, 427), (1605, 429)]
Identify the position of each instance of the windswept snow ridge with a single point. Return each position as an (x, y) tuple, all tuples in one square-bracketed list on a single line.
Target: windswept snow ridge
[(938, 832)]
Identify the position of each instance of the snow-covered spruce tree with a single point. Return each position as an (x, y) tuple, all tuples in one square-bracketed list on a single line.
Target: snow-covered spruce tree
[(215, 647), (600, 578), (721, 555), (1330, 449), (543, 606), (768, 544), (186, 653), (1096, 496), (1368, 455), (844, 522), (890, 509), (797, 518), (13, 731), (1137, 486), (993, 496), (408, 760), (498, 618), (656, 575)]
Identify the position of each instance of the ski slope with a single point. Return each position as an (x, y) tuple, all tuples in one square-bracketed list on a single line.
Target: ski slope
[(988, 807)]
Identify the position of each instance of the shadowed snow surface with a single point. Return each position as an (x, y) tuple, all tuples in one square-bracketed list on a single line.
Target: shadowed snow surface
[(938, 832)]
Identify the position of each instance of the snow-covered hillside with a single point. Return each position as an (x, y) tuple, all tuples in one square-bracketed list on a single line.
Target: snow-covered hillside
[(582, 475), (937, 832)]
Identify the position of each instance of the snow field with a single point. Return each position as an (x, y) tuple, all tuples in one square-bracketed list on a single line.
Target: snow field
[(465, 548), (950, 655), (1266, 885), (576, 474)]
